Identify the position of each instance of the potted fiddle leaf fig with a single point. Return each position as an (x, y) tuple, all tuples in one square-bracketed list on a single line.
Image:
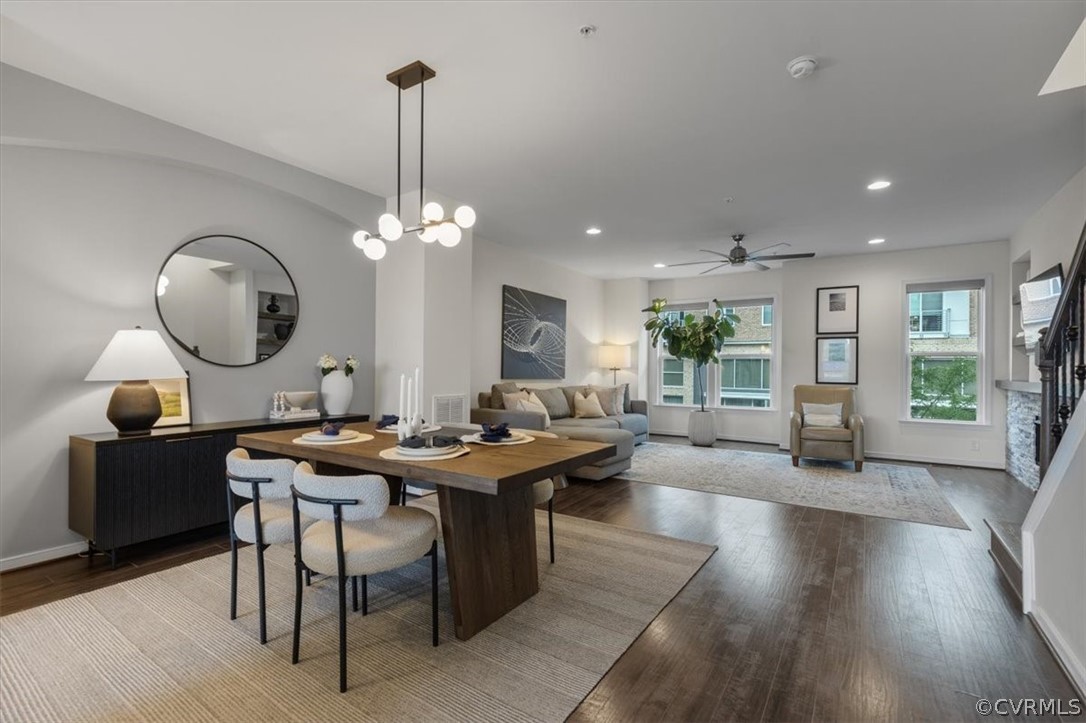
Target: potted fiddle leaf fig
[(687, 337)]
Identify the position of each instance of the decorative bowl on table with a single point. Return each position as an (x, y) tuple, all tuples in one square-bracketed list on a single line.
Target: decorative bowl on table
[(299, 400)]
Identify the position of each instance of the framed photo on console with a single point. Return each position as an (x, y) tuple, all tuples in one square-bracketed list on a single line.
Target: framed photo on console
[(837, 310), (173, 394), (836, 360)]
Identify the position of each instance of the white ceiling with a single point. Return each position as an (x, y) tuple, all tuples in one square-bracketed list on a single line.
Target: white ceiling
[(643, 129)]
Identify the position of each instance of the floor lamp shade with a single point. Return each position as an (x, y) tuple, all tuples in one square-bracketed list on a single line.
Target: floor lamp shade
[(133, 357), (615, 357)]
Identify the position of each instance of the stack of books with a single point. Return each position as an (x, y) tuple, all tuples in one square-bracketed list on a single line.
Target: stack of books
[(296, 414)]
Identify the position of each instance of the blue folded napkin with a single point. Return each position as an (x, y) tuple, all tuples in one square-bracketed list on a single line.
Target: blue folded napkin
[(495, 432), (388, 420), (418, 442), (331, 428)]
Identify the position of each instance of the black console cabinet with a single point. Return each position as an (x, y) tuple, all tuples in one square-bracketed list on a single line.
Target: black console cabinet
[(125, 490)]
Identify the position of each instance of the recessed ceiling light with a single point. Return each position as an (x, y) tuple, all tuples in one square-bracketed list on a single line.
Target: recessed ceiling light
[(659, 266), (878, 185), (593, 230), (877, 241)]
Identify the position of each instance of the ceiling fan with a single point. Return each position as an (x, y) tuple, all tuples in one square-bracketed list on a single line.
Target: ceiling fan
[(738, 256)]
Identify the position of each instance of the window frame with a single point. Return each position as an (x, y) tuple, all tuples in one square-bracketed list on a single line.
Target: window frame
[(983, 353), (713, 391)]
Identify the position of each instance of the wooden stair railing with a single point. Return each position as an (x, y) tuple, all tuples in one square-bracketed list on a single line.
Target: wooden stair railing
[(1061, 358)]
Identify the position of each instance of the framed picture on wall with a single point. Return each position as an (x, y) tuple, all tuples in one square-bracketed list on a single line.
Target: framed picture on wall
[(836, 359), (173, 394), (837, 310)]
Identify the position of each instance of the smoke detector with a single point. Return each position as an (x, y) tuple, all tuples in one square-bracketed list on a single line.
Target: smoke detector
[(802, 66)]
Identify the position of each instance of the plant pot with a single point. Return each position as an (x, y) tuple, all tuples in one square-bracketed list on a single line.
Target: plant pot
[(701, 428), (336, 392)]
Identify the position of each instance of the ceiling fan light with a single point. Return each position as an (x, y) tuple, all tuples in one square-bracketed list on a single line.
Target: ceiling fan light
[(433, 211), (448, 234), (374, 248), (359, 239), (464, 216), (389, 227)]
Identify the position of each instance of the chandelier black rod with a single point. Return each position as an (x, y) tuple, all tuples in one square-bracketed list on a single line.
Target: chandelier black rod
[(422, 139), (399, 124)]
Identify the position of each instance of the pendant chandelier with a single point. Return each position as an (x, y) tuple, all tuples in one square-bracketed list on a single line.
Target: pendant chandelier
[(433, 224)]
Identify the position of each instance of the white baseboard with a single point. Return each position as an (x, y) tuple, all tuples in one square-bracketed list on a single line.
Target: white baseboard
[(1070, 662), (33, 558)]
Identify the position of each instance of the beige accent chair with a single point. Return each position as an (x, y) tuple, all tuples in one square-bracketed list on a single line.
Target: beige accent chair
[(843, 443)]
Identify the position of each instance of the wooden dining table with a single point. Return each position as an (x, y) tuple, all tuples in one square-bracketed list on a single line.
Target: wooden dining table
[(485, 501)]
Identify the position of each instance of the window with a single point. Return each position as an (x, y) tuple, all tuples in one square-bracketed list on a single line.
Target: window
[(945, 350), (743, 378)]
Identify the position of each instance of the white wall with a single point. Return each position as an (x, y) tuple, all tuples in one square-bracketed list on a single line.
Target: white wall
[(753, 425), (82, 237), (623, 324), (881, 389), (494, 265)]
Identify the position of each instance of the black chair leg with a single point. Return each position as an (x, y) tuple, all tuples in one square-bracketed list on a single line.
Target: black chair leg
[(365, 596), (308, 577), (342, 634), (550, 524), (233, 576), (260, 580), (297, 611), (354, 593), (433, 590)]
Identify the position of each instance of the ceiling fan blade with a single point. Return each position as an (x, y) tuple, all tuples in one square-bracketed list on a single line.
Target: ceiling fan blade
[(782, 243), (716, 253), (692, 263), (781, 257), (718, 266), (755, 264)]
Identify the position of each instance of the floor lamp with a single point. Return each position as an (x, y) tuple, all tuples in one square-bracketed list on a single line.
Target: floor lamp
[(615, 357)]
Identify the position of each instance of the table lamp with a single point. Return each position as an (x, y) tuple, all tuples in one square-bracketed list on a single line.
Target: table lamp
[(133, 357), (615, 358)]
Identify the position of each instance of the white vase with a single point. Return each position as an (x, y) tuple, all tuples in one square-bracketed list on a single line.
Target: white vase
[(336, 392), (701, 428)]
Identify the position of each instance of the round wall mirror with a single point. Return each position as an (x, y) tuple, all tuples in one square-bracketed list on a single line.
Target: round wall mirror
[(227, 300)]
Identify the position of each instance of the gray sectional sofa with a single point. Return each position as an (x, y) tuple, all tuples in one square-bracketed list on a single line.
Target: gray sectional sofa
[(634, 419), (622, 430)]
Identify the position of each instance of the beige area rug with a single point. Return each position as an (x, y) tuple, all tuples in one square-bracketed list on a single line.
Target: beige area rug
[(881, 490), (161, 647)]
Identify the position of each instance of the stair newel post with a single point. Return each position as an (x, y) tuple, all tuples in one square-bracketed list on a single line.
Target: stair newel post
[(1046, 367)]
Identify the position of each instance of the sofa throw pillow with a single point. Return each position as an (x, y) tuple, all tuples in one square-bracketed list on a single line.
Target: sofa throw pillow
[(587, 407), (497, 390), (568, 392), (534, 404), (554, 400), (822, 415), (612, 399), (510, 399)]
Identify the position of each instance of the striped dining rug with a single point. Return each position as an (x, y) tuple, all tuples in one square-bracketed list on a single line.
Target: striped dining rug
[(161, 647)]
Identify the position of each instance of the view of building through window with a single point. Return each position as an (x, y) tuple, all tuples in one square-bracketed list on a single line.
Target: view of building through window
[(944, 346), (743, 379)]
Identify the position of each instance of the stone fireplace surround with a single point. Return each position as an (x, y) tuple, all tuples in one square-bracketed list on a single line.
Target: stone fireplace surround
[(1023, 405)]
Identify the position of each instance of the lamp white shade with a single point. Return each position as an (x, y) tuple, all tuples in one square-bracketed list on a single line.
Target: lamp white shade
[(135, 354), (614, 357)]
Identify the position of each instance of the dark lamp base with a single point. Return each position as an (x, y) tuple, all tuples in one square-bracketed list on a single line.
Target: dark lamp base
[(134, 407)]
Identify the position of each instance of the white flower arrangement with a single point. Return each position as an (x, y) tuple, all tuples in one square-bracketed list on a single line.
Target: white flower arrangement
[(328, 364)]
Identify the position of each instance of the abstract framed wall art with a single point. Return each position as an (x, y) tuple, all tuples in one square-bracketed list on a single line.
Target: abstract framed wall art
[(533, 335), (836, 360), (837, 310)]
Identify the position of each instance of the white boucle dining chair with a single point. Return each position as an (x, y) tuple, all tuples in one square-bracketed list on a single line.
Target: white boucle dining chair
[(264, 520), (543, 491), (355, 534)]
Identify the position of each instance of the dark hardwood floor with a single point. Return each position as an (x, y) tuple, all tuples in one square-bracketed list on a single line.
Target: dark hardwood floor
[(802, 614)]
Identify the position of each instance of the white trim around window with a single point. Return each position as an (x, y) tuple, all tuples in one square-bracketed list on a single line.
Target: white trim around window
[(984, 353)]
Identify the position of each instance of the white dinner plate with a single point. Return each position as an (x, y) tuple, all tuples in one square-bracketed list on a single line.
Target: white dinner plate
[(425, 451), (318, 436), (425, 430)]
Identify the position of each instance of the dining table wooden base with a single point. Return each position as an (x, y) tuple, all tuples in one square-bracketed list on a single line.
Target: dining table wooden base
[(490, 553)]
